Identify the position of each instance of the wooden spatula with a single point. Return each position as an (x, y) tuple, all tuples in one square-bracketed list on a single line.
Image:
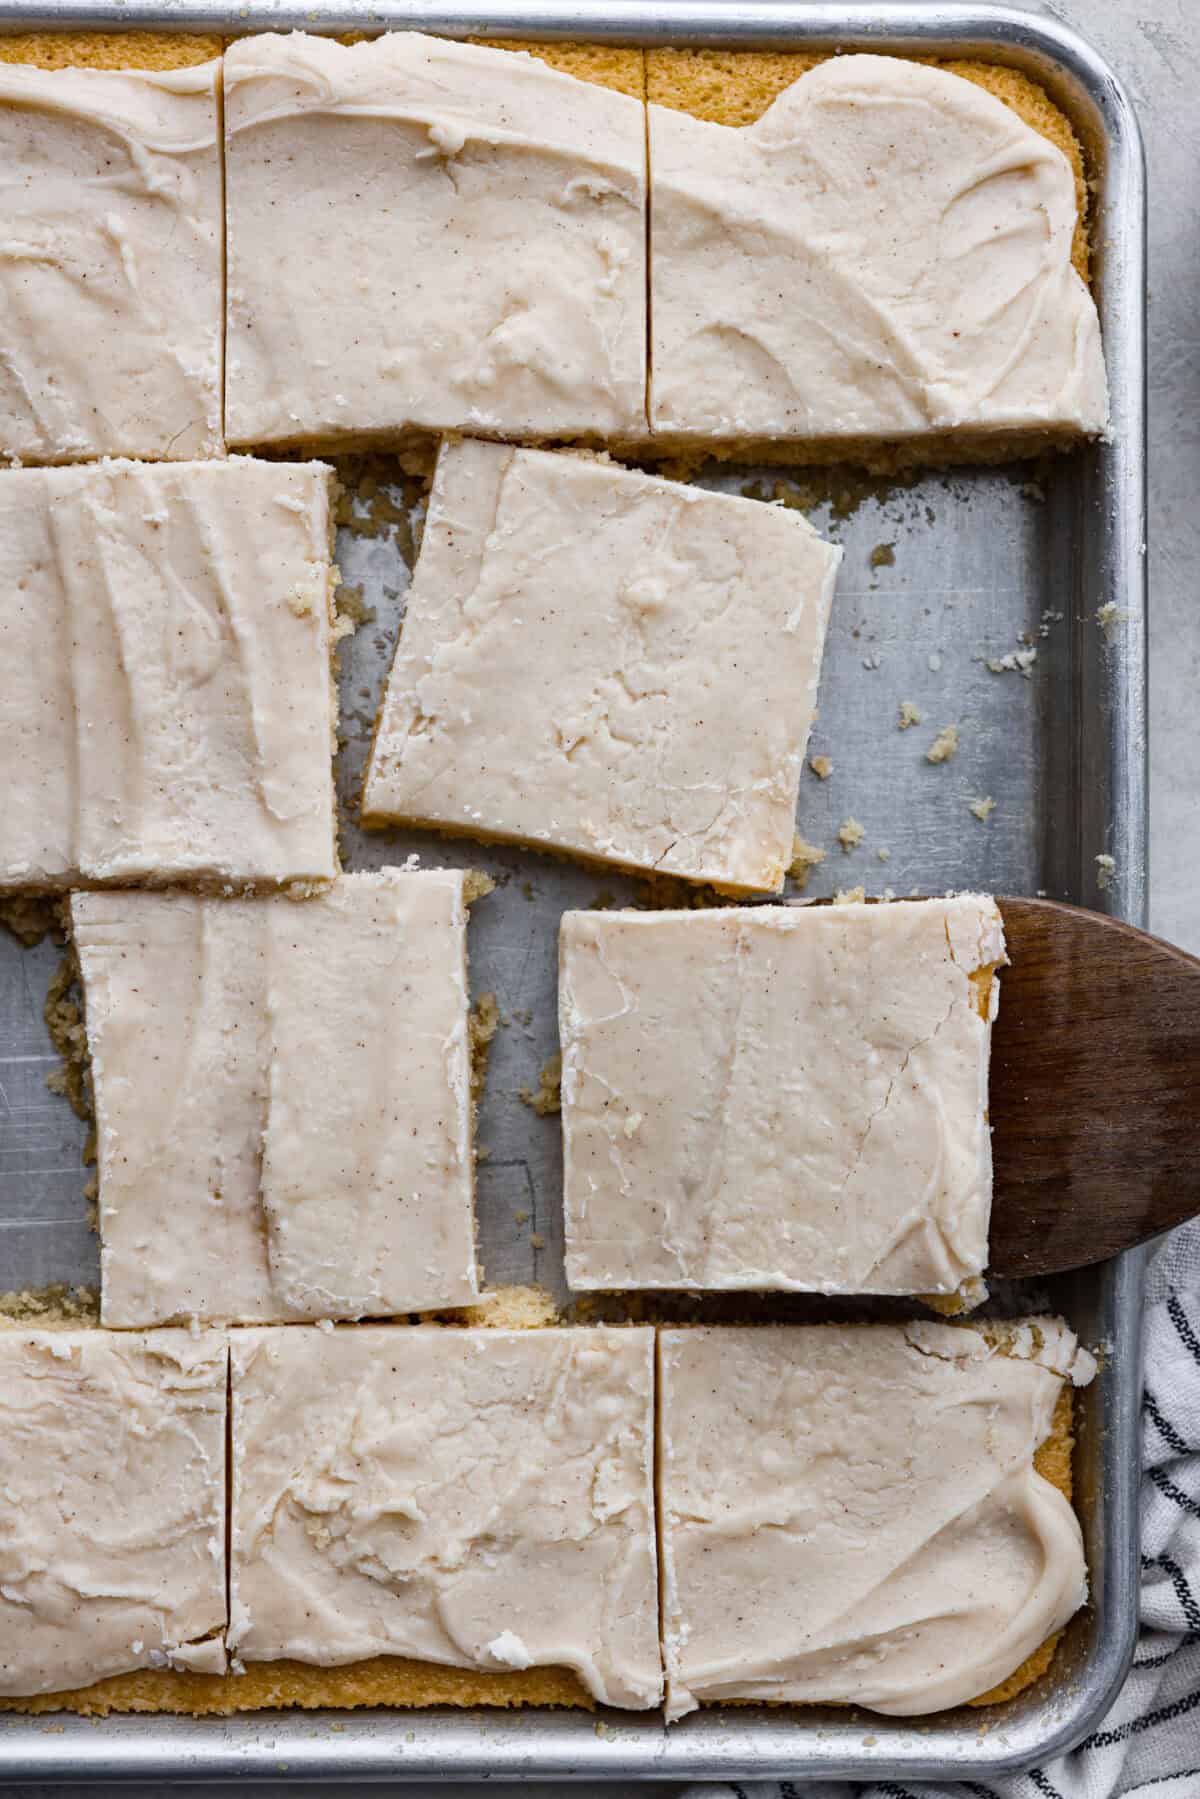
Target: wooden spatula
[(1095, 1089)]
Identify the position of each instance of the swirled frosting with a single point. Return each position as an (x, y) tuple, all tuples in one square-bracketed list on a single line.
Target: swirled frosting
[(852, 1514), (886, 252)]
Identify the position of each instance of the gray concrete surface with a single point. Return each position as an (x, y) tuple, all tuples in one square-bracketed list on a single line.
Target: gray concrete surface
[(1155, 46)]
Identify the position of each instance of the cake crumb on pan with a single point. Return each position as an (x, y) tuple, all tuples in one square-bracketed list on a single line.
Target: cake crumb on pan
[(944, 745)]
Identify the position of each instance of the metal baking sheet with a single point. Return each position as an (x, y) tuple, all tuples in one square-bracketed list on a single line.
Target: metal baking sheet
[(941, 577)]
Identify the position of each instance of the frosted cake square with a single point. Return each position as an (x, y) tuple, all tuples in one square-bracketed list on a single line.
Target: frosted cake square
[(474, 1500), (859, 1514), (282, 1099), (112, 1506), (429, 236), (880, 258), (779, 1097), (597, 661), (111, 295), (165, 702)]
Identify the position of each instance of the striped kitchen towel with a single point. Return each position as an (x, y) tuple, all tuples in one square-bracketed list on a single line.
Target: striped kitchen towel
[(1149, 1745)]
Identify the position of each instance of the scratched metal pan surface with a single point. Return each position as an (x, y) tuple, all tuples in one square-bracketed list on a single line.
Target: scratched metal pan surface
[(941, 579)]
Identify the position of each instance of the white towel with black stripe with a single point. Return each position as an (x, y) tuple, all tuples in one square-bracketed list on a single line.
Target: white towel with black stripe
[(1149, 1745)]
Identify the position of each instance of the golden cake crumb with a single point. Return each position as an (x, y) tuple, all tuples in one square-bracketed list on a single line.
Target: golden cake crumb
[(477, 884), (483, 1022), (547, 1097), (964, 1299), (982, 808), (63, 1013), (805, 857), (851, 834), (909, 715), (511, 1309), (944, 745), (58, 1306), (29, 917), (821, 766), (1106, 868)]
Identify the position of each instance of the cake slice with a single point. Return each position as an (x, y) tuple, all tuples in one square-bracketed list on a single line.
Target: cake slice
[(166, 712), (429, 236), (477, 1505), (112, 1507), (282, 1100), (779, 1097), (855, 1514), (880, 260), (110, 321), (597, 661)]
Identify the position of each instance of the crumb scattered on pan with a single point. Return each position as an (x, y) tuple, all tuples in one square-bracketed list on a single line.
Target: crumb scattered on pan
[(843, 490), (63, 1013), (510, 1308), (822, 767), (872, 660), (883, 555), (850, 896), (476, 885), (1106, 869), (982, 808), (972, 1293), (884, 854), (1017, 662), (482, 1025), (851, 834), (365, 505), (29, 917), (352, 606), (547, 1097), (46, 1307), (935, 661), (805, 857), (1109, 617), (944, 745), (909, 715)]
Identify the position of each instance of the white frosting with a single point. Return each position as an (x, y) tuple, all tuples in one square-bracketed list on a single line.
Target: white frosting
[(480, 1499), (110, 264), (885, 252), (429, 234), (809, 1086), (165, 706), (852, 1515), (607, 663), (282, 1100), (112, 1506)]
